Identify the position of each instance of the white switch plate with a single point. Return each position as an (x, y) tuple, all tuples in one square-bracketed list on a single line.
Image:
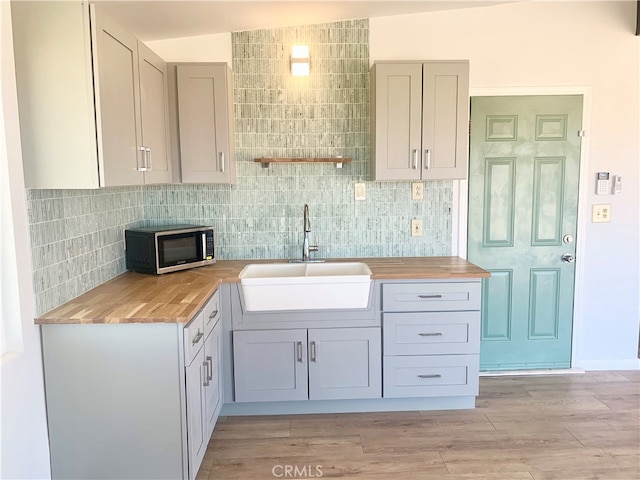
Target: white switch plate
[(601, 213), (416, 227), (417, 191), (360, 191)]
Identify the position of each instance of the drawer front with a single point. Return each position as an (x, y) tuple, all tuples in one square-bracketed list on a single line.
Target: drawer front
[(193, 337), (431, 376), (211, 313), (431, 333), (434, 297)]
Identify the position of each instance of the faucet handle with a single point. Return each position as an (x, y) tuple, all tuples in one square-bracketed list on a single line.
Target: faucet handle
[(313, 248)]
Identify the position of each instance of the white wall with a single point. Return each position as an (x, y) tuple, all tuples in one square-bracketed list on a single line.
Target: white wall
[(535, 44), (24, 446), (200, 48)]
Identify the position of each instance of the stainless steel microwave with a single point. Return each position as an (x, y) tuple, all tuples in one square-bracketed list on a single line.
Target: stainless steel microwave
[(167, 249)]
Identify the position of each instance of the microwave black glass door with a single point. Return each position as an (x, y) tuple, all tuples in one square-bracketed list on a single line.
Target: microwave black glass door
[(178, 249)]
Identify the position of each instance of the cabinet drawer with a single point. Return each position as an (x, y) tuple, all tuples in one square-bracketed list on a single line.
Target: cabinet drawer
[(416, 297), (430, 376), (193, 337), (211, 313), (430, 333)]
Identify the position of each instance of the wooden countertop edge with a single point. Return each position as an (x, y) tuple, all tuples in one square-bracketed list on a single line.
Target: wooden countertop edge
[(75, 311), (97, 307)]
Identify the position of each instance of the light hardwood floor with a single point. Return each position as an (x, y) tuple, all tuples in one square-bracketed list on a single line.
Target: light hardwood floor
[(570, 427)]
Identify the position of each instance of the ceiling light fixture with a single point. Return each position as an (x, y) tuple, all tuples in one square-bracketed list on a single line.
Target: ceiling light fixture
[(300, 61)]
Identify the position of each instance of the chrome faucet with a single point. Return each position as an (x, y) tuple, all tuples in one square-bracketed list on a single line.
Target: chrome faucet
[(306, 248)]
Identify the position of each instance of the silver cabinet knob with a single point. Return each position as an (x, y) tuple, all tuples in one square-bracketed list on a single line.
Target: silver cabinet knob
[(568, 258)]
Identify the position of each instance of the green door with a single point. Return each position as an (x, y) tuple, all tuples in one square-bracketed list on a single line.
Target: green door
[(523, 202)]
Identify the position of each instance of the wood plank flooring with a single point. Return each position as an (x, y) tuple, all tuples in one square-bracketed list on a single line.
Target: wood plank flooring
[(569, 427)]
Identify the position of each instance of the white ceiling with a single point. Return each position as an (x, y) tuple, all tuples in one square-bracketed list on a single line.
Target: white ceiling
[(159, 19)]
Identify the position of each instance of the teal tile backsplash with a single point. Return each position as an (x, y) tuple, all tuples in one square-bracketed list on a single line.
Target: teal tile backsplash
[(77, 236), (77, 239)]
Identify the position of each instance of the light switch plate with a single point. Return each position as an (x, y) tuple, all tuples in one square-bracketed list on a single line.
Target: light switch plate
[(360, 191), (601, 213)]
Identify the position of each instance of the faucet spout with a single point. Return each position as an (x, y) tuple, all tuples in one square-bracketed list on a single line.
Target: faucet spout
[(307, 223), (306, 248)]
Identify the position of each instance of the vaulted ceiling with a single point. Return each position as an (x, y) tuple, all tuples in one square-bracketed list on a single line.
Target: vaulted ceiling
[(158, 19)]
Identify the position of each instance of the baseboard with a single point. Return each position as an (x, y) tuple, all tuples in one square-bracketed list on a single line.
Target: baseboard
[(620, 364), (511, 373)]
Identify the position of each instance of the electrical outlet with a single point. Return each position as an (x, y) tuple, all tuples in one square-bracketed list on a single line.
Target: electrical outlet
[(416, 227), (601, 213), (360, 191), (417, 191)]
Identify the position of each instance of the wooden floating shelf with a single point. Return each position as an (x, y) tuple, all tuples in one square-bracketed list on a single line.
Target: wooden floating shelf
[(339, 161)]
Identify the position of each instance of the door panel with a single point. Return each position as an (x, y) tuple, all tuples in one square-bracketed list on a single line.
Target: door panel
[(523, 193), (345, 363), (155, 117), (117, 103), (270, 365), (398, 122)]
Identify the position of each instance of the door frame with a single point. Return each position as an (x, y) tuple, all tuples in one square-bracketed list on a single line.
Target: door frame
[(461, 193)]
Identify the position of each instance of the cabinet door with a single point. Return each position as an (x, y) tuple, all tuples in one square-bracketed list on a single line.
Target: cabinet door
[(212, 391), (117, 88), (445, 120), (270, 365), (197, 438), (54, 80), (345, 363), (205, 123), (154, 109), (396, 121)]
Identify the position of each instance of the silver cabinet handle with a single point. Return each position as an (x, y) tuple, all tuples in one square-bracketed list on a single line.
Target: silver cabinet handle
[(148, 162), (430, 296), (568, 258), (197, 338), (213, 315), (222, 162), (299, 351), (314, 352), (206, 375), (434, 334), (433, 375), (415, 160), (142, 168), (210, 363), (427, 165)]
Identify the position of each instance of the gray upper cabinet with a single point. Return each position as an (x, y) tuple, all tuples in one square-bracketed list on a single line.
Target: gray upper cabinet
[(419, 120), (92, 99), (154, 111), (205, 122)]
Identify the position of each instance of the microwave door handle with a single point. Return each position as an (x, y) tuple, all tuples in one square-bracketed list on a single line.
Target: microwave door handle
[(204, 246)]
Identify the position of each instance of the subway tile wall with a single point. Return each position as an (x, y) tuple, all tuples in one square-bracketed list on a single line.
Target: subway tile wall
[(323, 115), (77, 239), (77, 235)]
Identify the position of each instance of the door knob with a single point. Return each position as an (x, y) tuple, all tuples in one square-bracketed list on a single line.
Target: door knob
[(568, 258)]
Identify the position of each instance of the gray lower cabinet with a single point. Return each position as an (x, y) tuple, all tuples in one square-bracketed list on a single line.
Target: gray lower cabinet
[(301, 364), (203, 359), (132, 400), (431, 339)]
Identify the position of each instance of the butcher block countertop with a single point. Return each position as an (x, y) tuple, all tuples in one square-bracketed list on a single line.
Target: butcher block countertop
[(177, 297)]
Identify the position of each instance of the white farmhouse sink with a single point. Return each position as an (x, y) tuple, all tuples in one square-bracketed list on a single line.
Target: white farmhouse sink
[(305, 286)]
